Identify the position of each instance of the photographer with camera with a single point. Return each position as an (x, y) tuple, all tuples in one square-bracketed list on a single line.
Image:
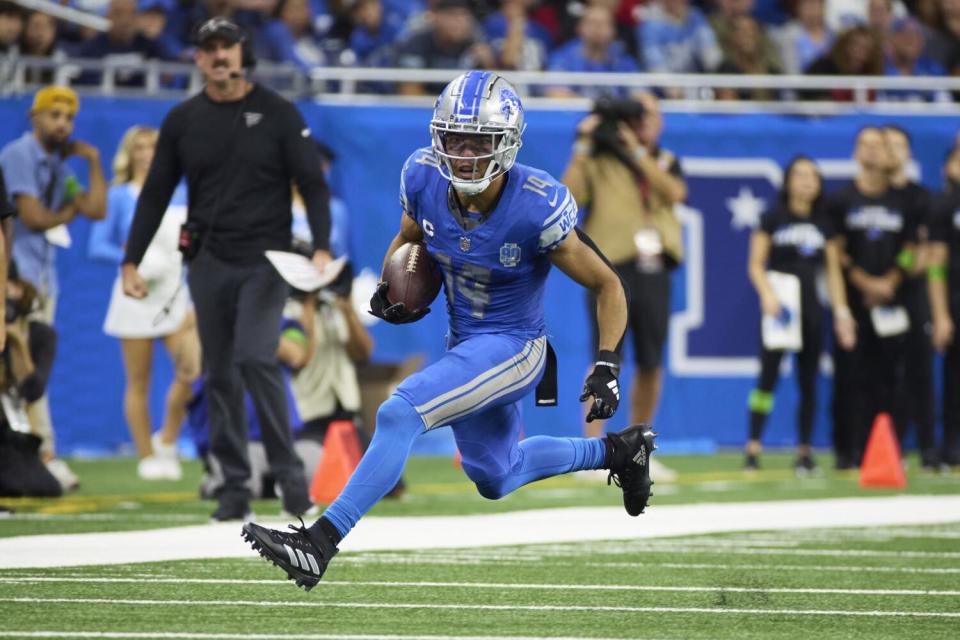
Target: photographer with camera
[(629, 185), (47, 197), (240, 146)]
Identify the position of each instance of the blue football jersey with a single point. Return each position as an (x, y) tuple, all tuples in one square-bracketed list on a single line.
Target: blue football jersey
[(495, 273)]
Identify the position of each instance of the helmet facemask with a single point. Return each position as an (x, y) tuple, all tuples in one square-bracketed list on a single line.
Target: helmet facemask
[(497, 145)]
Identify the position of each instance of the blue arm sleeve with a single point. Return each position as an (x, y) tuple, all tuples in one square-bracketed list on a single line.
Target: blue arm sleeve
[(106, 242)]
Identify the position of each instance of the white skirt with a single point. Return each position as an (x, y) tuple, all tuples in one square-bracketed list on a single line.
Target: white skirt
[(131, 318)]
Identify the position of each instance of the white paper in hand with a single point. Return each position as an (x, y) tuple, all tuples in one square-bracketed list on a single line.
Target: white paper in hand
[(784, 332), (890, 321), (300, 272)]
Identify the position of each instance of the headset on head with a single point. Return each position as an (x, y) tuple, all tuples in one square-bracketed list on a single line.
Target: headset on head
[(248, 60)]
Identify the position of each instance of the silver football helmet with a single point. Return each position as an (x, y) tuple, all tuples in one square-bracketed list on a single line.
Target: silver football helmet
[(477, 104)]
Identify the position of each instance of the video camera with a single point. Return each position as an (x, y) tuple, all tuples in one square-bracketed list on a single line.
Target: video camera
[(613, 111)]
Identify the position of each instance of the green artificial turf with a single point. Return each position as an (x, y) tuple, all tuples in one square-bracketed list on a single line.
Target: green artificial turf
[(711, 586)]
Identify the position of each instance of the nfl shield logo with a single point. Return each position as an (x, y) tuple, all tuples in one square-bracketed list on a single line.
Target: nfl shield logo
[(510, 254), (464, 244)]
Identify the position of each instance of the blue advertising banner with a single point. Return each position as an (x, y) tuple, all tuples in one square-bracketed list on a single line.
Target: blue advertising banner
[(734, 167)]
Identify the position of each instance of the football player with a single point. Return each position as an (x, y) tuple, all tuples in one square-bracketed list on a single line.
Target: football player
[(495, 228)]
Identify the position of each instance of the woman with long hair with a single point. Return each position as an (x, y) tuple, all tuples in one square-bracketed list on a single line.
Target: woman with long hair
[(795, 237), (165, 314)]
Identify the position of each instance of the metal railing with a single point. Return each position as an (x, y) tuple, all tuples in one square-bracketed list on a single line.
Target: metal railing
[(688, 92)]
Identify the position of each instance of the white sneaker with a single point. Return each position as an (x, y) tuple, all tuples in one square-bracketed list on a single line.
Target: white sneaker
[(159, 468), (59, 470), (661, 472), (161, 449)]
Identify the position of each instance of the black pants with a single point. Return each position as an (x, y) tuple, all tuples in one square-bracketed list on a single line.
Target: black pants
[(239, 309), (808, 361), (918, 383), (648, 317), (950, 453), (866, 381)]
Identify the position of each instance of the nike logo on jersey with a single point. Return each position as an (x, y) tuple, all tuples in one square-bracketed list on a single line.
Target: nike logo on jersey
[(556, 194), (252, 118)]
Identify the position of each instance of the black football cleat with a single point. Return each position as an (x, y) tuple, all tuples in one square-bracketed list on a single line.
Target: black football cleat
[(630, 465), (303, 556)]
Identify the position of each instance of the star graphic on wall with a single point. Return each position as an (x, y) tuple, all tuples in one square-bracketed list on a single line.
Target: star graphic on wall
[(746, 209)]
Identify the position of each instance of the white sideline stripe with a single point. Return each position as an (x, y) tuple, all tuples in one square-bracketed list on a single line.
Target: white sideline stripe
[(581, 524), (492, 585), (186, 635), (772, 567), (843, 553), (484, 607)]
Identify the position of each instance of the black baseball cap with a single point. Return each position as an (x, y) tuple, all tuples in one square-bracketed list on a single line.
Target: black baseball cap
[(222, 28)]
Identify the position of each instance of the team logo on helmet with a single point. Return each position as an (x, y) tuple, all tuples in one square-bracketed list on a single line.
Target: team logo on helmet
[(509, 102)]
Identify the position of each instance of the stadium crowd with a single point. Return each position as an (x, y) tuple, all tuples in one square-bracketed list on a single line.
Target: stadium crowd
[(822, 37)]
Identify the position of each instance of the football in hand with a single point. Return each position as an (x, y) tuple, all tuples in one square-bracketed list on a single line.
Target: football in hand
[(413, 277)]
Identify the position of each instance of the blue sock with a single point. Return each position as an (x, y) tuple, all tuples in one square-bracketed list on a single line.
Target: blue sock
[(544, 457), (398, 425)]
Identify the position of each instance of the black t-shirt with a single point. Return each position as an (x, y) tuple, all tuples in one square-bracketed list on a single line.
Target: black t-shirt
[(421, 51), (239, 159), (945, 227), (875, 228), (797, 246)]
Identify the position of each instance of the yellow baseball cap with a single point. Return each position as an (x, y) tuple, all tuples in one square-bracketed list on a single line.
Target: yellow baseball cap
[(47, 97)]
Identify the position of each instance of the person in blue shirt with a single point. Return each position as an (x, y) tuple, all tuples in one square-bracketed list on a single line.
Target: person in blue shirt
[(495, 228), (121, 44), (518, 41), (290, 37), (166, 314), (905, 57), (47, 197), (595, 50), (375, 25), (676, 38)]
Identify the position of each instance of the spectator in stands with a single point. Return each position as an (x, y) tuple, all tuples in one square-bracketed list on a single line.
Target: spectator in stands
[(375, 26), (905, 58), (122, 44), (676, 38), (745, 56), (164, 315), (796, 238), (880, 16), (452, 41), (48, 196), (944, 284), (878, 238), (290, 37), (723, 21), (11, 27), (943, 41), (595, 50), (39, 39), (805, 38), (519, 42), (855, 52)]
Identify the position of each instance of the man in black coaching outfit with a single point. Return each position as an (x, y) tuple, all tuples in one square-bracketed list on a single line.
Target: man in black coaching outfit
[(239, 146)]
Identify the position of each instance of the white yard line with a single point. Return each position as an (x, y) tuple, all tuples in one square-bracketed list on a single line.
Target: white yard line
[(487, 585), (772, 567), (186, 635), (512, 528), (481, 607)]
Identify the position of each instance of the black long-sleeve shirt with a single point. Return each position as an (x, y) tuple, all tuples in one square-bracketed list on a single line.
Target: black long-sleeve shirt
[(239, 159)]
